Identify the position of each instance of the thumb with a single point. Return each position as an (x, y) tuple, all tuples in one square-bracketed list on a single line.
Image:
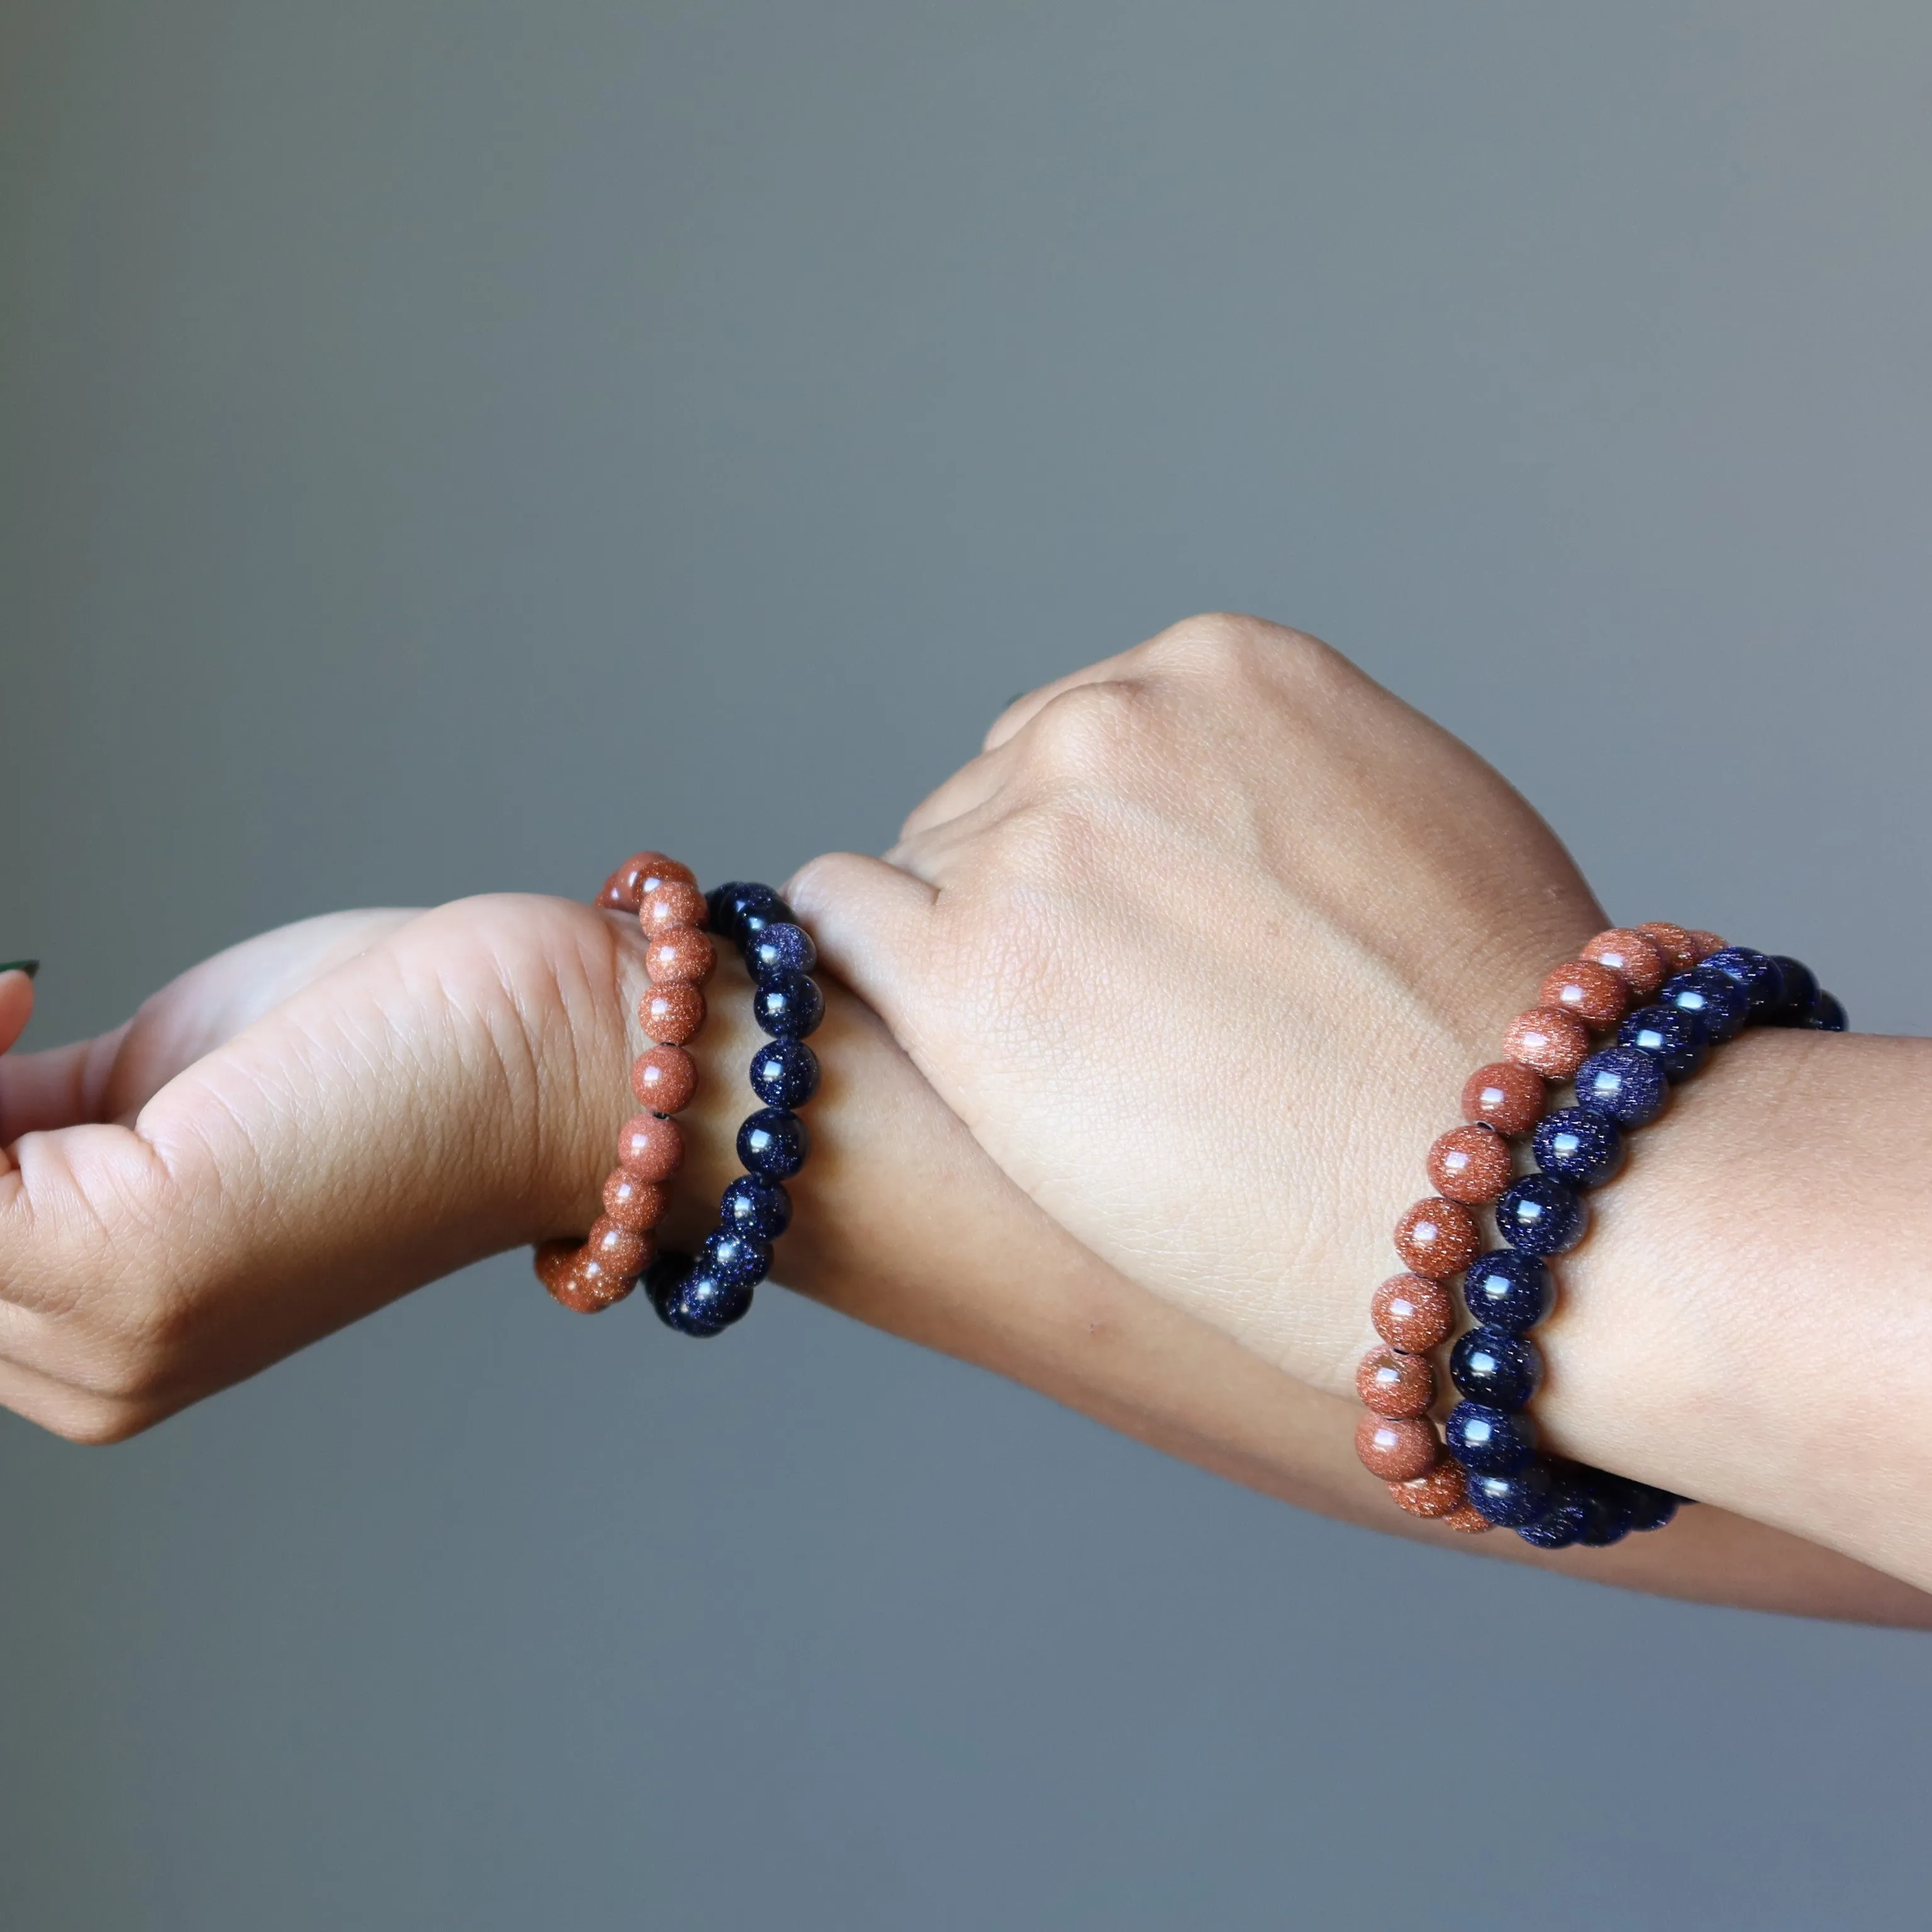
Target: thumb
[(870, 922)]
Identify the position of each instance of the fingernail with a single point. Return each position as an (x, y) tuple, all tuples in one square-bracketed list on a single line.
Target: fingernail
[(29, 967)]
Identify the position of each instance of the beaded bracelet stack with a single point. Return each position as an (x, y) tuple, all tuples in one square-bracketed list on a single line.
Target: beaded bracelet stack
[(704, 1294), (1703, 993)]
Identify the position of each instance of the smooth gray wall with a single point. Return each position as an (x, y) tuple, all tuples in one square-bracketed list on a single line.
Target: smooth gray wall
[(443, 446)]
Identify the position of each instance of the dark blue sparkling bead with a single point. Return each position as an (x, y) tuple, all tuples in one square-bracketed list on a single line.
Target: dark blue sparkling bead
[(788, 1005), (1508, 1291), (1625, 1085), (716, 901), (1651, 1508), (1758, 973), (664, 1277), (1516, 1501), (772, 1143), (752, 1205), (1827, 1015), (734, 902), (1497, 1370), (1678, 1042), (1498, 1441), (1607, 1514), (1578, 1145), (737, 1260), (1564, 1524), (784, 1073), (1540, 1215), (755, 918), (702, 1305), (1715, 998), (1801, 988), (780, 948)]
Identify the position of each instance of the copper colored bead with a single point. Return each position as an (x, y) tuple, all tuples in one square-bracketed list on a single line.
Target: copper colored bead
[(1596, 995), (1437, 1238), (673, 902), (1639, 962), (680, 956), (553, 1261), (622, 1251), (1504, 1096), (1548, 1041), (1470, 1163), (595, 1285), (583, 1286), (671, 1015), (1396, 1447), (652, 1149), (633, 1203), (1469, 1519), (624, 890), (1413, 1313), (1440, 1492), (1706, 943), (1674, 942), (664, 1079), (1393, 1384)]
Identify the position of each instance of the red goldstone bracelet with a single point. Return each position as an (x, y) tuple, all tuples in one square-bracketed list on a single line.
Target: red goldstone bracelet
[(1471, 1165), (599, 1271)]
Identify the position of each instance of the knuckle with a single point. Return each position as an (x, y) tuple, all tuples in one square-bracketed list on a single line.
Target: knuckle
[(96, 1420), (1085, 730), (1226, 645)]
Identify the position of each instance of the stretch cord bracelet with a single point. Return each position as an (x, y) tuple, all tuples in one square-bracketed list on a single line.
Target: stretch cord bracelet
[(1705, 993), (703, 1294), (599, 1271)]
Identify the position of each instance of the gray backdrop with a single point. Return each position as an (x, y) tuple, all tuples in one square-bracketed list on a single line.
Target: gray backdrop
[(440, 444)]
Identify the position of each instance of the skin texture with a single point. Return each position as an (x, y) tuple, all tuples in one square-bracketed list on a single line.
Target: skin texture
[(305, 1127), (1202, 949)]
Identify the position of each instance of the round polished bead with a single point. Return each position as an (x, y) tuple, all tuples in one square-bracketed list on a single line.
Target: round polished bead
[(1760, 976), (773, 1143), (1719, 1002), (788, 1005), (1393, 1384), (1579, 1145), (1563, 1525), (1597, 996), (1624, 1085), (1498, 1370), (682, 956), (1679, 1042), (1548, 1041), (1827, 1014), (1439, 1493), (673, 902), (738, 1260), (1470, 1164), (1435, 1237), (781, 947), (555, 1262), (1540, 1215), (1494, 1441), (595, 1285), (1504, 1096), (1651, 1507), (622, 1251), (716, 900), (1398, 1448), (664, 1276), (730, 903), (624, 890), (651, 1148), (1675, 942), (664, 1079), (1703, 944), (784, 1073), (752, 1205), (1608, 1516), (753, 917), (1638, 961), (1469, 1520), (1801, 988), (671, 1015), (632, 1202), (702, 1305), (1511, 1501), (1508, 1292), (1413, 1313)]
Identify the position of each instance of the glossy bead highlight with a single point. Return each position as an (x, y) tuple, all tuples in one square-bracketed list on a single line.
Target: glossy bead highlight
[(1512, 1501), (1548, 1041), (1397, 1448), (784, 1073), (752, 1205), (788, 1005), (1391, 1383), (1712, 997), (1413, 1313), (1494, 1441), (1498, 1370), (1624, 1084), (1579, 1146), (1597, 996), (1471, 1164), (781, 947), (773, 1143), (1540, 1215), (1676, 1040), (1760, 975), (1436, 1237), (1504, 1096), (1508, 1291), (1635, 960)]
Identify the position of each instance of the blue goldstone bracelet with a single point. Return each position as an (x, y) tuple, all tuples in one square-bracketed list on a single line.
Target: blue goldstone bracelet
[(704, 1294), (1495, 1366)]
